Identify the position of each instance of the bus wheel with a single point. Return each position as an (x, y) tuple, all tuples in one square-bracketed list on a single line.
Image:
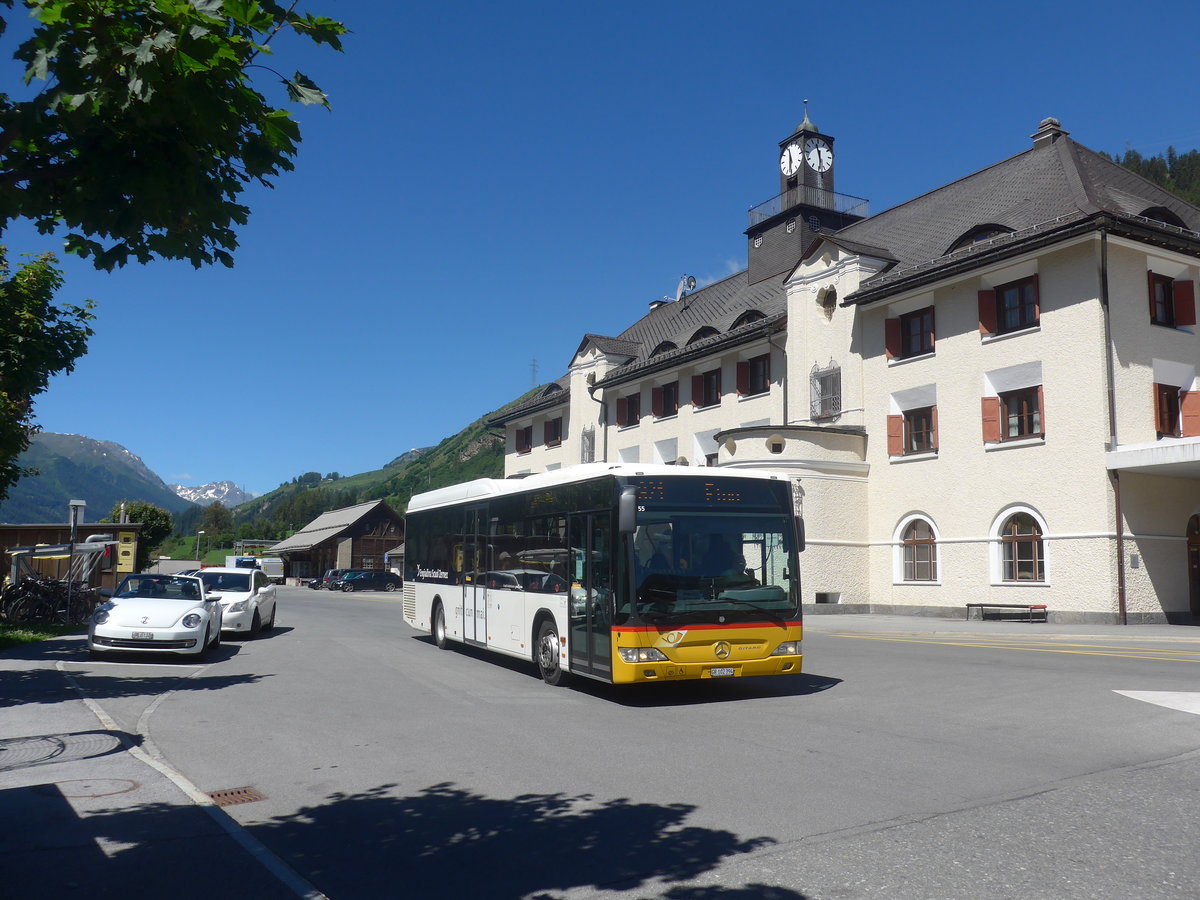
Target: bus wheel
[(548, 652), (439, 627)]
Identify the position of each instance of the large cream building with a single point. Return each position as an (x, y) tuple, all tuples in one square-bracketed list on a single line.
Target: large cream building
[(985, 394)]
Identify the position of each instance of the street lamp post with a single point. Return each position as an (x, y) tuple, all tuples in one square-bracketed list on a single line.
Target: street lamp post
[(198, 533)]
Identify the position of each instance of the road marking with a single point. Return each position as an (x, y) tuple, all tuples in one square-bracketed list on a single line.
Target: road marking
[(1184, 701), (1187, 656)]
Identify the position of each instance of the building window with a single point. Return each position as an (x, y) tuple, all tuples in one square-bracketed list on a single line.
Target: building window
[(1166, 410), (754, 376), (918, 430), (664, 401), (1172, 302), (825, 391), (916, 332), (553, 432), (919, 552), (1023, 554), (706, 388), (701, 333), (910, 334), (524, 439), (1022, 413), (1010, 307), (912, 431), (629, 410)]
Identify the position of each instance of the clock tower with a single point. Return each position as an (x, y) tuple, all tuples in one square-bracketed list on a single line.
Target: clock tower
[(782, 228)]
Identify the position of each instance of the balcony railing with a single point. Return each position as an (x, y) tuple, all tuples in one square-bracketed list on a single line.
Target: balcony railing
[(811, 196)]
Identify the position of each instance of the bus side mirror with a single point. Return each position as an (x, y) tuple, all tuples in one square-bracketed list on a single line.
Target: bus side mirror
[(799, 535), (627, 510)]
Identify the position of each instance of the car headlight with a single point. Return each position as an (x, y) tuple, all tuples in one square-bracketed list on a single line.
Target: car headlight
[(191, 620), (239, 606), (787, 648), (100, 616), (641, 654)]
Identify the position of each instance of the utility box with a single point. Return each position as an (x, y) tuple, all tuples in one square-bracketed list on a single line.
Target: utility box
[(126, 551)]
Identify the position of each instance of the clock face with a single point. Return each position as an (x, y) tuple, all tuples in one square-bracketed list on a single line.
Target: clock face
[(789, 160), (818, 154)]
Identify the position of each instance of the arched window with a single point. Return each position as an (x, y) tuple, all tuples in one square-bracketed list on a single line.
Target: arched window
[(701, 333), (750, 315), (920, 552), (977, 235), (1162, 214), (1023, 555), (664, 347)]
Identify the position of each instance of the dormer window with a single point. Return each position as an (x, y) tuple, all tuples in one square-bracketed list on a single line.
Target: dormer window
[(702, 333), (1164, 215), (750, 315), (977, 235), (664, 347)]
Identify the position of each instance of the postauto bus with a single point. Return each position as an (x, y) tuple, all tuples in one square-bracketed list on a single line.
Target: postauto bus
[(620, 573)]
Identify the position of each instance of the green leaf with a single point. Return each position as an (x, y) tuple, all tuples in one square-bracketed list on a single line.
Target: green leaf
[(302, 89)]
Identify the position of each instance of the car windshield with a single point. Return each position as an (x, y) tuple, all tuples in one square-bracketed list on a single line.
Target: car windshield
[(694, 567), (160, 587), (237, 582)]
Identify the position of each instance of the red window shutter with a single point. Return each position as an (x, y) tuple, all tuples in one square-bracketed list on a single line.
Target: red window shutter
[(697, 390), (987, 312), (522, 437), (743, 378), (547, 434), (1157, 389), (1037, 298), (1185, 302), (895, 435), (933, 438), (991, 418), (1189, 405), (656, 401), (1150, 293), (891, 338), (1042, 408), (622, 410)]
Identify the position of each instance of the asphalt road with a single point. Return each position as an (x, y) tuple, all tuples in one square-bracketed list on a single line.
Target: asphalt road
[(910, 760)]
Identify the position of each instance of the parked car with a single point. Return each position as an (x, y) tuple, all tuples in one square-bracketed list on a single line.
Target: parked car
[(153, 613), (316, 583), (332, 575), (248, 603), (367, 580)]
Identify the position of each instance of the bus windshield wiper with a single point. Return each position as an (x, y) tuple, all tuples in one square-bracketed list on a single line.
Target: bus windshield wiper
[(772, 614)]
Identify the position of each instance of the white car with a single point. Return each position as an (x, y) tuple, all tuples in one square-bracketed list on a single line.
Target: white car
[(247, 599), (153, 613)]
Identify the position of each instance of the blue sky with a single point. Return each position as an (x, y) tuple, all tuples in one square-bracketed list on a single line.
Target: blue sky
[(495, 180)]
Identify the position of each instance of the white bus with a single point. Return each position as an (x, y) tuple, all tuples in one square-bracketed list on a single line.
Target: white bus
[(621, 573)]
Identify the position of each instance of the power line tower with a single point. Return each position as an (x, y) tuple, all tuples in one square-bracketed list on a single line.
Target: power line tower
[(533, 367)]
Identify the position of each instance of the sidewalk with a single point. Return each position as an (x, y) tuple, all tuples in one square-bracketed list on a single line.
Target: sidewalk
[(872, 622), (87, 810)]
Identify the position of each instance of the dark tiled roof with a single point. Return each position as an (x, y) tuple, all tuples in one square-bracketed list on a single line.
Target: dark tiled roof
[(556, 393), (1046, 187)]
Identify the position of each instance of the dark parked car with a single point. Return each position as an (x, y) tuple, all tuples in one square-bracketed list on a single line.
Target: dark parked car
[(368, 580), (326, 580)]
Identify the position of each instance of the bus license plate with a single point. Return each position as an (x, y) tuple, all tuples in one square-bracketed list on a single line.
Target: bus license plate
[(721, 671), (143, 635)]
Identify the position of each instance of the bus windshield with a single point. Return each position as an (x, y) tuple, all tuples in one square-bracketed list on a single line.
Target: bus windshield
[(693, 567)]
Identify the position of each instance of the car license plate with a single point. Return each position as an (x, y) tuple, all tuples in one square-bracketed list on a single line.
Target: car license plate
[(143, 635), (721, 671)]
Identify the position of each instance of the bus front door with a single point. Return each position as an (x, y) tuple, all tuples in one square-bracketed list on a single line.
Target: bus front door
[(474, 567), (591, 594)]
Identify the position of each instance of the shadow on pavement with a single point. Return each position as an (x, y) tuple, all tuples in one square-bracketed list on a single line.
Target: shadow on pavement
[(446, 841)]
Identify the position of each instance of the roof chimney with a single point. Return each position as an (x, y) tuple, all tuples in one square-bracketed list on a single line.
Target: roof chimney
[(1049, 131)]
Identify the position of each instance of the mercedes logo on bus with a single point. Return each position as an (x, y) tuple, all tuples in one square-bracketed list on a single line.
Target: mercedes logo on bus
[(722, 649)]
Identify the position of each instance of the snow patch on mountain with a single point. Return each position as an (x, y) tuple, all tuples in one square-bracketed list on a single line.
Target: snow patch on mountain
[(228, 493)]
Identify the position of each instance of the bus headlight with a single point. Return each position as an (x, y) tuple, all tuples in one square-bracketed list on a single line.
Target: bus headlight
[(787, 648), (641, 654)]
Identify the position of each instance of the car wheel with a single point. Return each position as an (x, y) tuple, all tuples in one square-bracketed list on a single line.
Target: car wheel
[(389, 587), (347, 588), (547, 651), (202, 653), (255, 625), (439, 628), (270, 623)]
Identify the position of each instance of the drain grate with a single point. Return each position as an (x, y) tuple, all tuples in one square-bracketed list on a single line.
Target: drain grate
[(234, 796)]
